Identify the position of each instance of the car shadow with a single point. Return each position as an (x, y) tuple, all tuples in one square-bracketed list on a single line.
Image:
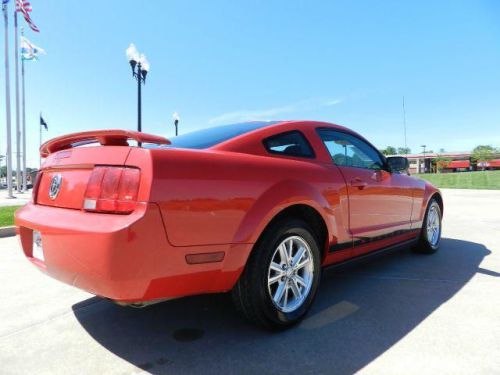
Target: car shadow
[(359, 313)]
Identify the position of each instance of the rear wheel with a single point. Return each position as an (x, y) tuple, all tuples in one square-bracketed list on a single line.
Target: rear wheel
[(430, 236), (279, 283)]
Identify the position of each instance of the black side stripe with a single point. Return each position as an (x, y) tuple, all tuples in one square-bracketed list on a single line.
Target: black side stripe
[(365, 240), (341, 246)]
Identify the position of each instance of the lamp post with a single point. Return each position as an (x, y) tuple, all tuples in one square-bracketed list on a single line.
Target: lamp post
[(425, 168), (176, 118), (140, 68)]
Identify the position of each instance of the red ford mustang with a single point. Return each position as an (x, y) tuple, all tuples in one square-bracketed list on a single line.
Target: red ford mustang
[(255, 208)]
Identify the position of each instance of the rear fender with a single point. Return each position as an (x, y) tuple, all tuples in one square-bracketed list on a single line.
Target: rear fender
[(276, 199)]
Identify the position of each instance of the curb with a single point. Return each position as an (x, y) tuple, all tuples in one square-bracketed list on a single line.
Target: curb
[(7, 231)]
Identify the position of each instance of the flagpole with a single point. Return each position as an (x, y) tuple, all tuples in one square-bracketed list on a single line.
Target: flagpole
[(18, 129), (40, 155), (23, 103), (7, 102)]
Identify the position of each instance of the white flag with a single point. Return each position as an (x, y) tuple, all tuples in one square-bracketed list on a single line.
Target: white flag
[(29, 51)]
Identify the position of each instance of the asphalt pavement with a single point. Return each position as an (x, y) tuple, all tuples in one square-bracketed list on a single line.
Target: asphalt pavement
[(399, 314)]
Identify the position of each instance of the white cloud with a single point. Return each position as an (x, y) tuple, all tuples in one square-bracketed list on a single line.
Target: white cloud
[(270, 113)]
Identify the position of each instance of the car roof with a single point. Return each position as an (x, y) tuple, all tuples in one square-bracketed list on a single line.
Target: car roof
[(317, 124), (219, 137), (268, 128), (251, 142)]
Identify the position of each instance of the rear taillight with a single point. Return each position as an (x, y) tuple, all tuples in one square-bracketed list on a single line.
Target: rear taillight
[(112, 190)]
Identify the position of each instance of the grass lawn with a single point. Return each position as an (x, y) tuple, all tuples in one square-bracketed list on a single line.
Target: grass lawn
[(7, 215), (464, 180)]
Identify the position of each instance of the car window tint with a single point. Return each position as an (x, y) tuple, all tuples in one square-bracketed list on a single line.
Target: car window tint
[(350, 151), (290, 143)]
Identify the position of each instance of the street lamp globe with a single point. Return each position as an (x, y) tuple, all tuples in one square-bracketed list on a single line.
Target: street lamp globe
[(144, 62), (132, 53), (176, 117), (144, 66), (132, 56)]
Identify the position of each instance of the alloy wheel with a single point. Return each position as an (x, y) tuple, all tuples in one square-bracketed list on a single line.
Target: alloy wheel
[(433, 225), (290, 274)]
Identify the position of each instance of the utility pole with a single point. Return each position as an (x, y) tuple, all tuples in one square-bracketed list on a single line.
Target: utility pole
[(404, 122), (425, 167)]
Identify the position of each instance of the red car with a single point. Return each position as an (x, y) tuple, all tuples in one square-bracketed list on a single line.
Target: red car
[(256, 208)]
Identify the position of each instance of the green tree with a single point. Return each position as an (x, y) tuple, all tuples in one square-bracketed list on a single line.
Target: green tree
[(389, 150), (404, 150), (483, 153)]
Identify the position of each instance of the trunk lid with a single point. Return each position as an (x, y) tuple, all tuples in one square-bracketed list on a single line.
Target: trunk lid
[(71, 160), (73, 169)]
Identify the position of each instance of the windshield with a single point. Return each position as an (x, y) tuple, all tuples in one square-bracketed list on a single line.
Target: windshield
[(205, 138)]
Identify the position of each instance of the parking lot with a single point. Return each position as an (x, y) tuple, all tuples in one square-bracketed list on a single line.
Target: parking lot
[(399, 314)]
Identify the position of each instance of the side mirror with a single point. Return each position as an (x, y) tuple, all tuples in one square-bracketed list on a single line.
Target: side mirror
[(397, 163)]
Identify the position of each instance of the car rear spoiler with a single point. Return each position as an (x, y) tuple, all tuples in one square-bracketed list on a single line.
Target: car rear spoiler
[(114, 137)]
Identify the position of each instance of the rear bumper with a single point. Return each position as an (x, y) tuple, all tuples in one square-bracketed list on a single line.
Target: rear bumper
[(126, 258)]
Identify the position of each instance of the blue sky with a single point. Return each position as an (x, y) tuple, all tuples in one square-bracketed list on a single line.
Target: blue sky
[(347, 62)]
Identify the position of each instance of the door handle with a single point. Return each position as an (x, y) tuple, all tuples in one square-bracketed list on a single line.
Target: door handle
[(359, 183)]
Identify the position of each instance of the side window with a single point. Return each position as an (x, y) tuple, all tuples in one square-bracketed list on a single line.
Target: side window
[(350, 151), (290, 143)]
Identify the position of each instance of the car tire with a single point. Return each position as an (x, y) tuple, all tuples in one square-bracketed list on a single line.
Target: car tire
[(278, 297), (430, 235)]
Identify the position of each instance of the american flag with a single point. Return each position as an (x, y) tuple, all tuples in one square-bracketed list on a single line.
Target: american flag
[(25, 7)]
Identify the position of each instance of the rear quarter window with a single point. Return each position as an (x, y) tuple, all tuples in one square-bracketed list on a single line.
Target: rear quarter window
[(292, 143)]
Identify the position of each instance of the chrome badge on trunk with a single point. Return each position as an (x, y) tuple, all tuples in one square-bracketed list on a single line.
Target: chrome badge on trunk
[(55, 186)]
